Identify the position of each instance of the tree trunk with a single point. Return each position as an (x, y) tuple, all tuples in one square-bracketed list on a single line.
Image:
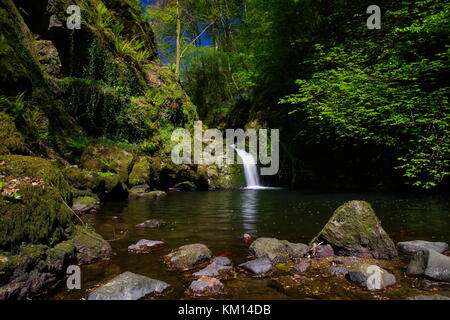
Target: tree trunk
[(178, 59)]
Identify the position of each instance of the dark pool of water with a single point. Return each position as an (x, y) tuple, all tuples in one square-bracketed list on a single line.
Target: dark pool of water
[(218, 219)]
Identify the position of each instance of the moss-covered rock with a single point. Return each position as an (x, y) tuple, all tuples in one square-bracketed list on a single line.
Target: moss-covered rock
[(89, 245), (355, 230), (84, 204), (88, 183), (37, 212), (99, 158), (140, 174), (222, 177), (277, 250), (188, 256), (11, 139), (60, 256)]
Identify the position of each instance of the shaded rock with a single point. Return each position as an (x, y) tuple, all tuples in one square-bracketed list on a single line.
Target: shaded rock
[(128, 286), (324, 251), (257, 266), (99, 158), (212, 270), (432, 297), (142, 191), (90, 246), (188, 256), (140, 174), (430, 264), (426, 284), (60, 257), (206, 285), (84, 204), (184, 186), (355, 230), (248, 239), (371, 277), (337, 260), (338, 270), (411, 247), (223, 261), (151, 224), (302, 267), (277, 250), (146, 246)]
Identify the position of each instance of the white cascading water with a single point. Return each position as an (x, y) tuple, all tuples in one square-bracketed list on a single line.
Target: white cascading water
[(250, 169)]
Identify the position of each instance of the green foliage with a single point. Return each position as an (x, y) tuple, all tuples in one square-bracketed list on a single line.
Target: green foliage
[(385, 89), (13, 106)]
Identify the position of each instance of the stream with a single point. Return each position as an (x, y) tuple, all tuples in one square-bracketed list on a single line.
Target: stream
[(219, 219)]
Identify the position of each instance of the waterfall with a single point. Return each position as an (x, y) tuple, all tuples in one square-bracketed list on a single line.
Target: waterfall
[(250, 169)]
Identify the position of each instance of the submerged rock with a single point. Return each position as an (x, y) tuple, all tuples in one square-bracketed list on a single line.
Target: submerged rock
[(128, 286), (277, 250), (188, 256), (151, 224), (371, 277), (206, 285), (142, 192), (302, 267), (431, 264), (257, 266), (146, 246), (84, 204), (355, 230), (411, 247), (338, 270)]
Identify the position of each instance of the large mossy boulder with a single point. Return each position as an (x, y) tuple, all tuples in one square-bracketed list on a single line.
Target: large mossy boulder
[(355, 230), (89, 245), (140, 174), (277, 250), (106, 159), (33, 205), (11, 139), (86, 183)]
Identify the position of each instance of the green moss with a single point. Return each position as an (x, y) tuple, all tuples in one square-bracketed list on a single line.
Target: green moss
[(101, 158), (23, 166), (140, 173), (11, 139)]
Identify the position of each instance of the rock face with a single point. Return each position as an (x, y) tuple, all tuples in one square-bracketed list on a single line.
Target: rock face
[(430, 264), (128, 286), (84, 204), (146, 246), (371, 277), (206, 285), (354, 230), (257, 266), (151, 224), (277, 250), (90, 246), (188, 256), (412, 247)]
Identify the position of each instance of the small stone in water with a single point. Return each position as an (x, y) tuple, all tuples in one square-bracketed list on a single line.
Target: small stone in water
[(206, 285), (248, 239), (302, 266), (338, 270), (324, 251), (257, 266), (223, 261), (146, 246)]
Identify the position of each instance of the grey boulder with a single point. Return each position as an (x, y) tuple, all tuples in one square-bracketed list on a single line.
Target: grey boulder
[(277, 250), (128, 286), (371, 277), (411, 247), (430, 264), (257, 266)]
